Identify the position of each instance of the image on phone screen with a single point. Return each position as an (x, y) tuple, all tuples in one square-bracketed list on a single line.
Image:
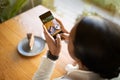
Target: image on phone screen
[(50, 23)]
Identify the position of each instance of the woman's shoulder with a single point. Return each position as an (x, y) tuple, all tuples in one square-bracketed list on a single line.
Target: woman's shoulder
[(84, 75)]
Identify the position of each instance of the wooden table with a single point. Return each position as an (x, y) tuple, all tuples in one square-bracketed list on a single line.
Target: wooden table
[(14, 66)]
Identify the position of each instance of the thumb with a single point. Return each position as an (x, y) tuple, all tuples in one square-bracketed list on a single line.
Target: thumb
[(58, 41), (44, 28), (47, 34)]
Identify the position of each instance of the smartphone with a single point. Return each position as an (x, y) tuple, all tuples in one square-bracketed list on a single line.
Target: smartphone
[(50, 23)]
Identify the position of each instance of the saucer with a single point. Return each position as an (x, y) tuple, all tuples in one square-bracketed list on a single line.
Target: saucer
[(23, 48)]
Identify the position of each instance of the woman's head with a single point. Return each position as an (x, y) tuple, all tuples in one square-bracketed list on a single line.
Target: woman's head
[(95, 42)]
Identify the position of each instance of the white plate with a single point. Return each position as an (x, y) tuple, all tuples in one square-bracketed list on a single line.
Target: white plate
[(23, 48)]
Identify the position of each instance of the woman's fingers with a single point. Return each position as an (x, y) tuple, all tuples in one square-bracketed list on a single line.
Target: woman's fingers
[(49, 39), (62, 26), (65, 36), (53, 45), (45, 30), (58, 45), (58, 41), (64, 30), (47, 34)]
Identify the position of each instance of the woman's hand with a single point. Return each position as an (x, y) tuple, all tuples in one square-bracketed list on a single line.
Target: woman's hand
[(54, 45), (65, 34), (62, 26)]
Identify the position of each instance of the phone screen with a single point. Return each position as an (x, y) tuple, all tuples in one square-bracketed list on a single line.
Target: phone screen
[(50, 23)]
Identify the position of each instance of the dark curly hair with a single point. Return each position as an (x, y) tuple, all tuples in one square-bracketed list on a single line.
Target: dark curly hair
[(97, 45)]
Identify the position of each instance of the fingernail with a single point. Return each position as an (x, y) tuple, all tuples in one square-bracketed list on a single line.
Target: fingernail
[(58, 35)]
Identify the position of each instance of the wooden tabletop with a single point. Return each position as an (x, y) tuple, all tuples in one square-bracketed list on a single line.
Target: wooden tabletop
[(14, 66)]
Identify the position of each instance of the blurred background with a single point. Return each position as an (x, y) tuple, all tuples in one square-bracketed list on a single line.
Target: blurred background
[(69, 10)]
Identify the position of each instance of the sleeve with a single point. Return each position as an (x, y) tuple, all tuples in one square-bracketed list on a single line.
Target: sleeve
[(45, 70)]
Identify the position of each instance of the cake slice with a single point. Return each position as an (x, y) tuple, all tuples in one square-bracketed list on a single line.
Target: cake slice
[(30, 38)]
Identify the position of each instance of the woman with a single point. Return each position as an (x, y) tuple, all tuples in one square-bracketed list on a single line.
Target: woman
[(94, 43)]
